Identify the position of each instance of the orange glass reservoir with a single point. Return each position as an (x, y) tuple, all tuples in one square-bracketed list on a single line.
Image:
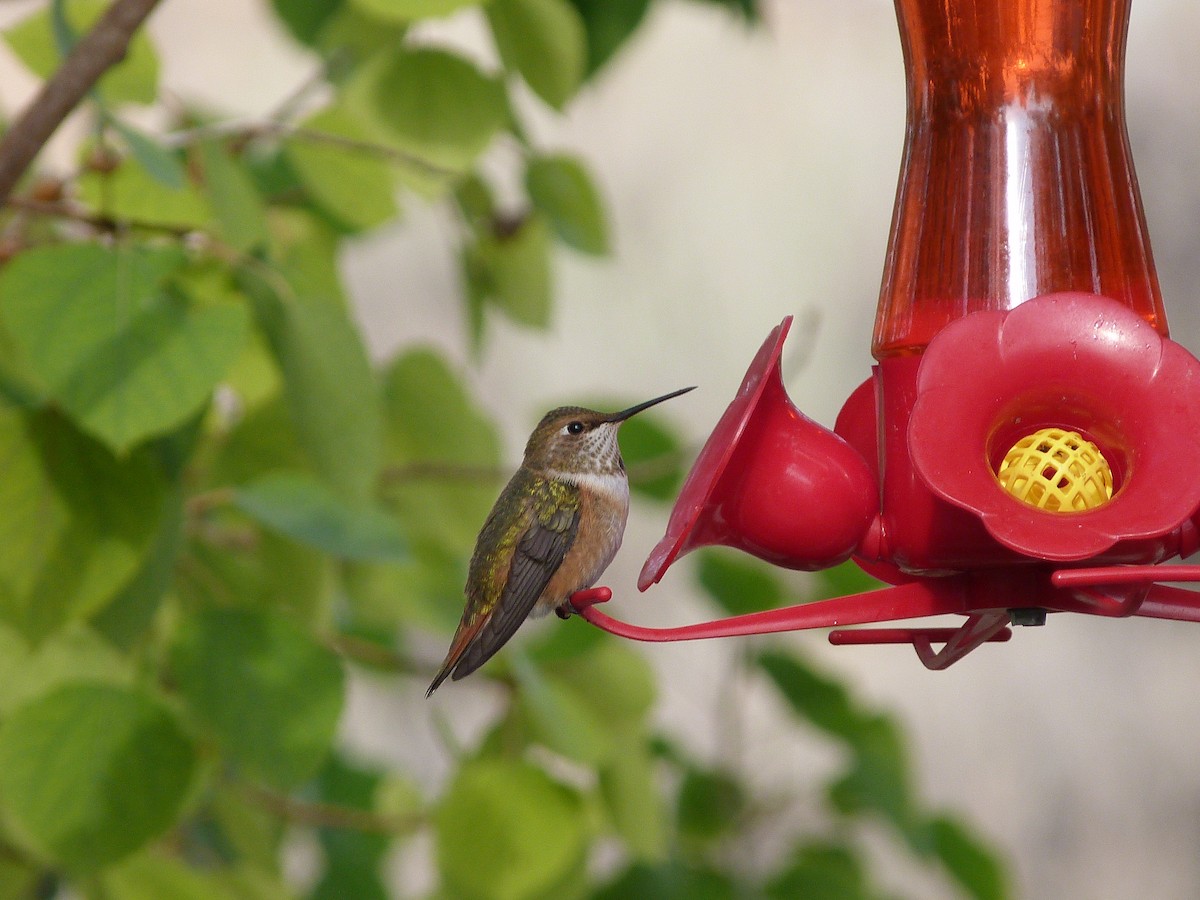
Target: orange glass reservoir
[(1016, 178)]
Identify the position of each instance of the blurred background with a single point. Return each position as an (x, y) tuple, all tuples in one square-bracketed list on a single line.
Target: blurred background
[(749, 173)]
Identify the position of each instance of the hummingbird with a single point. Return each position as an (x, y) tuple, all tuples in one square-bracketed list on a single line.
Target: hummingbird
[(553, 531)]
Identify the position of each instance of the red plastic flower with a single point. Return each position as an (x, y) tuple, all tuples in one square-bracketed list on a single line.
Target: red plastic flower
[(1072, 361)]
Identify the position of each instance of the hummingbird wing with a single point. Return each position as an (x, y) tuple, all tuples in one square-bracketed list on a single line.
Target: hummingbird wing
[(552, 511)]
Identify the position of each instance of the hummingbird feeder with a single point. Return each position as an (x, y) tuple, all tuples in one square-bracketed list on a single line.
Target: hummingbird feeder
[(1029, 438)]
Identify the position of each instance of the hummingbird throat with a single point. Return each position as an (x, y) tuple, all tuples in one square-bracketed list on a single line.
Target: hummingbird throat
[(598, 453)]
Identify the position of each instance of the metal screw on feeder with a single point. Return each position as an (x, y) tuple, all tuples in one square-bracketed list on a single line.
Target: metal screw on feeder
[(972, 471)]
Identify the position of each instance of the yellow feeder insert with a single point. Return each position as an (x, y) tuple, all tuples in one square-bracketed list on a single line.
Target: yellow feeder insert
[(1058, 471)]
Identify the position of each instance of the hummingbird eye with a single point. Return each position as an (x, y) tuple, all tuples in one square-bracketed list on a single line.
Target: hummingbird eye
[(575, 428)]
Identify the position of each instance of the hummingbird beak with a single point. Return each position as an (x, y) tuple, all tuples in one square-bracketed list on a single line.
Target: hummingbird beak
[(634, 410)]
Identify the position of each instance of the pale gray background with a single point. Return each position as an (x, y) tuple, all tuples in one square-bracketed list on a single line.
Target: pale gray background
[(750, 174)]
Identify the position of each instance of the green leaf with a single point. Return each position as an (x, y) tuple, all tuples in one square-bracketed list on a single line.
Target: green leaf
[(842, 581), (653, 457), (609, 24), (407, 10), (430, 103), (248, 882), (137, 191), (968, 859), (544, 40), (673, 880), (302, 508), (514, 271), (265, 688), (355, 187), (19, 879), (506, 831), (747, 9), (126, 358), (425, 592), (159, 163), (821, 871), (561, 188), (560, 718), (77, 653), (352, 858), (633, 799), (614, 679), (434, 424), (740, 586), (65, 36), (235, 202), (18, 385), (289, 577), (77, 522), (477, 289), (328, 382), (432, 417), (823, 701), (14, 659), (709, 804), (350, 37), (133, 80), (348, 879), (127, 617), (306, 19), (252, 833), (878, 777), (254, 378), (557, 649), (305, 253), (475, 201), (89, 772), (150, 876), (262, 441)]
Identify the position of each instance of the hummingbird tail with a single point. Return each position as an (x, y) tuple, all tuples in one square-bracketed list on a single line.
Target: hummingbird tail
[(461, 664), (443, 672), (462, 640), (472, 647)]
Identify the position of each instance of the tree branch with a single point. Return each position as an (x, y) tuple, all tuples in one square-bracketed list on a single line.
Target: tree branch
[(98, 51)]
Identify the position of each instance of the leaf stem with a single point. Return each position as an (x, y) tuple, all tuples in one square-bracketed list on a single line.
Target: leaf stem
[(98, 222), (370, 653), (244, 131), (199, 504), (329, 815), (98, 51), (436, 470)]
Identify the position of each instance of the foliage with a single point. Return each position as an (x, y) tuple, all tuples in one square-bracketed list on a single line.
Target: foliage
[(218, 512)]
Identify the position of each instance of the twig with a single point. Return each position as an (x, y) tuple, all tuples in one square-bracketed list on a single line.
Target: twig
[(203, 577), (199, 504), (371, 654), (433, 470), (202, 239), (98, 222), (291, 105), (329, 815), (98, 51), (243, 131)]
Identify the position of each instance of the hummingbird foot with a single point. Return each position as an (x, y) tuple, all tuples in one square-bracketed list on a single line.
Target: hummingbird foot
[(581, 600)]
